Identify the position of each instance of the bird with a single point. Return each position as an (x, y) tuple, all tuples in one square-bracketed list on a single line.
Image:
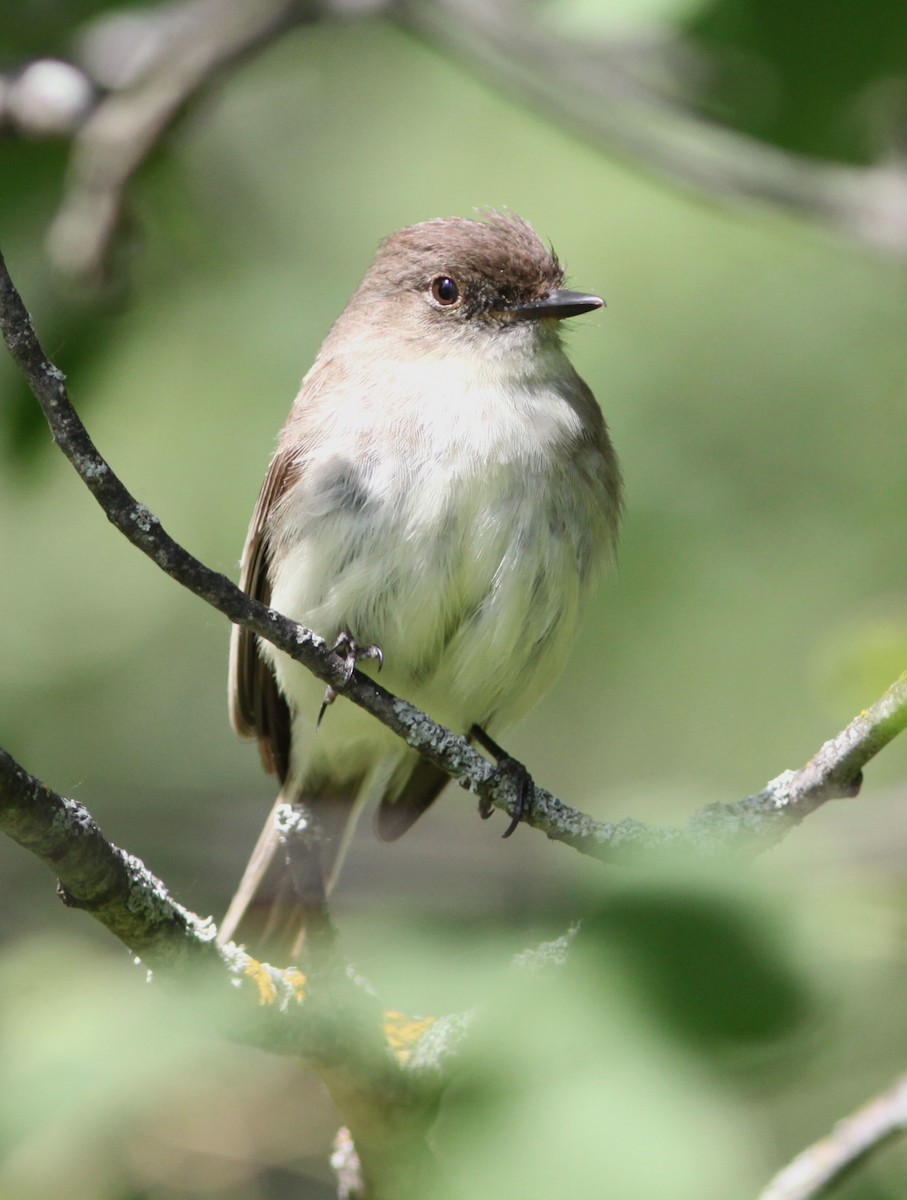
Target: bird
[(441, 498)]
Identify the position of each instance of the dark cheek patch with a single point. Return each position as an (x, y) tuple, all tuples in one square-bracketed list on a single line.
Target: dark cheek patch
[(340, 485)]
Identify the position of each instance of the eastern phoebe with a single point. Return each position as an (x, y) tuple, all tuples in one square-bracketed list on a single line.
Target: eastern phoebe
[(440, 498)]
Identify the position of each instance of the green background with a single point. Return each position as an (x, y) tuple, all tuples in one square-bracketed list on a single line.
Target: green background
[(753, 370)]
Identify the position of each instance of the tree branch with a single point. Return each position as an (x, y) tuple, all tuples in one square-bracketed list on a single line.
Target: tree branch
[(625, 98), (119, 891), (97, 876), (385, 1088), (748, 825), (819, 1166), (196, 43), (833, 773), (614, 95), (387, 1098)]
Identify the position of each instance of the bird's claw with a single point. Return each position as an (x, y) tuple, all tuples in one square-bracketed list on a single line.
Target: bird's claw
[(525, 787), (347, 648), (326, 701)]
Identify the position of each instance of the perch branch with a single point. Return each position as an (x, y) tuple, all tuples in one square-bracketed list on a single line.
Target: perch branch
[(754, 822)]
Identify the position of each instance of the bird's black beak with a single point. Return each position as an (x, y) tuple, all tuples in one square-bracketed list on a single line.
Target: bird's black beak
[(558, 304)]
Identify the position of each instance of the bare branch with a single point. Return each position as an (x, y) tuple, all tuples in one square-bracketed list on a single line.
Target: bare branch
[(202, 39), (833, 773), (626, 98), (820, 1165), (328, 1018), (119, 891), (748, 825), (615, 96), (116, 888)]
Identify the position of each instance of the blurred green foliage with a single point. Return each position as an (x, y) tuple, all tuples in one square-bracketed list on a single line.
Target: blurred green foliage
[(827, 79), (754, 372)]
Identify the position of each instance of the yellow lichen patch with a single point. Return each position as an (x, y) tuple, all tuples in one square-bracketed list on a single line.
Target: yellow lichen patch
[(267, 992), (402, 1032), (272, 982), (297, 982)]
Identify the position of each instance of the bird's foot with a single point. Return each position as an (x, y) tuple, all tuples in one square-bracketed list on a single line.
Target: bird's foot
[(347, 648), (506, 766)]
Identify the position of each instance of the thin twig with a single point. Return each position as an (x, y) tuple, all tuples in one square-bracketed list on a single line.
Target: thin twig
[(834, 772), (617, 99), (749, 824), (205, 37), (820, 1165)]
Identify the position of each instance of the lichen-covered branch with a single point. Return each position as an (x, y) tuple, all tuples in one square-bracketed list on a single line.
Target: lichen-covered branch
[(834, 772), (813, 1172), (119, 891), (752, 823), (386, 1095), (97, 876)]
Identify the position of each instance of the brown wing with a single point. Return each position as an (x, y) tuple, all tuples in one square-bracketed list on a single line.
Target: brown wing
[(257, 709)]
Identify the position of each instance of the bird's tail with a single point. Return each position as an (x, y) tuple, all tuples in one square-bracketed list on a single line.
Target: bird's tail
[(297, 858), (292, 869)]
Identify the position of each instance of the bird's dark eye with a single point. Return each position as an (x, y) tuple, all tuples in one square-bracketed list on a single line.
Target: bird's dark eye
[(444, 290)]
